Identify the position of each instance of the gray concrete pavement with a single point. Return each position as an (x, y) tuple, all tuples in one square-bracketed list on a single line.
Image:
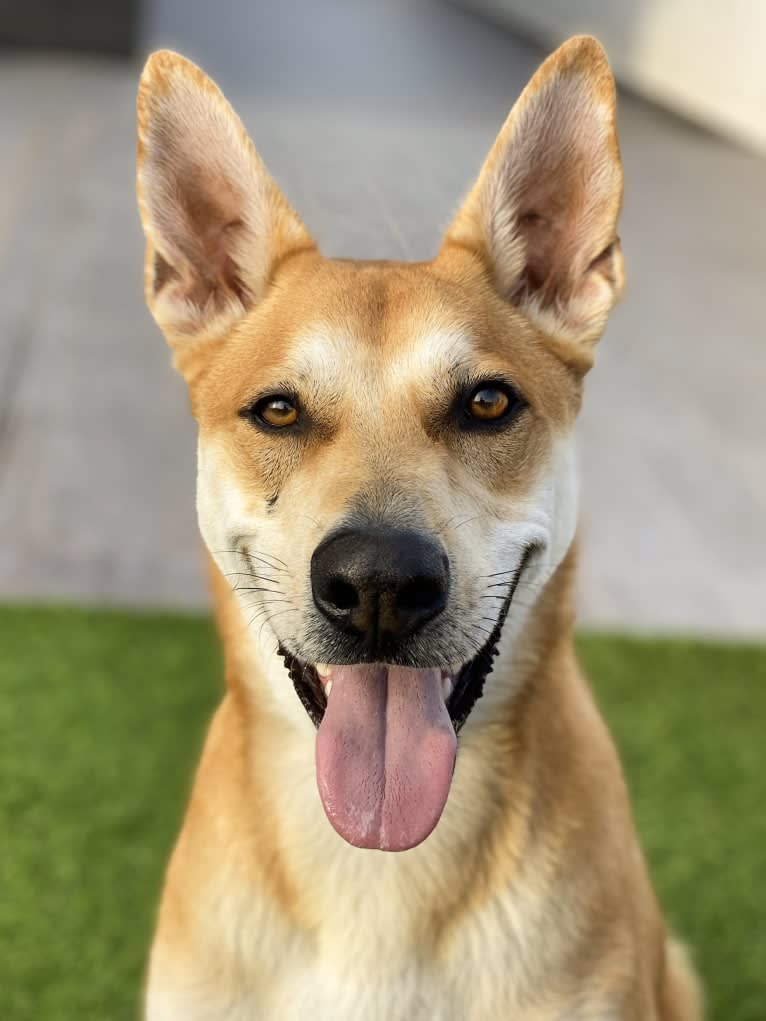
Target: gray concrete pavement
[(96, 442)]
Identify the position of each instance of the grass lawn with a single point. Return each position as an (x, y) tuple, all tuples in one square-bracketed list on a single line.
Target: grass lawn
[(101, 719)]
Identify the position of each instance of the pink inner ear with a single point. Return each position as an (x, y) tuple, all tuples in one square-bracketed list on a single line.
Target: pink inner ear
[(560, 198), (552, 199), (544, 238), (201, 221), (543, 213), (217, 274), (215, 221), (198, 179)]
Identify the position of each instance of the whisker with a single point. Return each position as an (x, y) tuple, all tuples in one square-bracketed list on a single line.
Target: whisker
[(467, 521), (264, 610), (256, 588), (522, 583), (258, 611), (248, 574), (442, 528), (266, 564), (253, 556), (264, 604), (471, 641), (268, 620), (503, 595), (262, 553)]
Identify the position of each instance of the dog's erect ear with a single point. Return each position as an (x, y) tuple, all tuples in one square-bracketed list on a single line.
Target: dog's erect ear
[(215, 222), (543, 212)]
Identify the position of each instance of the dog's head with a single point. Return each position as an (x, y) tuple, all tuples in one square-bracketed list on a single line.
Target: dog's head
[(384, 448)]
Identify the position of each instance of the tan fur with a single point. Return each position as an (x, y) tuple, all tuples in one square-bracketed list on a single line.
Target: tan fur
[(531, 899)]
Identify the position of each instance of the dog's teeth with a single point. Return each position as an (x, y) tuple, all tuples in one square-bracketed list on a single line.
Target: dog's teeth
[(324, 670), (446, 687)]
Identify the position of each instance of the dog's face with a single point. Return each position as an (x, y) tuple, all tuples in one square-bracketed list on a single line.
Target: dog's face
[(385, 466)]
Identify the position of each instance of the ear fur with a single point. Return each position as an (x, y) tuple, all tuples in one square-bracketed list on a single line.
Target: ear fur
[(215, 222), (543, 212)]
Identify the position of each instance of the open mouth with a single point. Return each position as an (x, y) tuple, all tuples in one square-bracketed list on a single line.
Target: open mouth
[(386, 737)]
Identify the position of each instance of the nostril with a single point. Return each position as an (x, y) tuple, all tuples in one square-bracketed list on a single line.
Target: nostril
[(419, 594), (341, 594)]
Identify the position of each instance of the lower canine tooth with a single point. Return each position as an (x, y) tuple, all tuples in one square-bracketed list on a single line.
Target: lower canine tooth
[(446, 687), (328, 688)]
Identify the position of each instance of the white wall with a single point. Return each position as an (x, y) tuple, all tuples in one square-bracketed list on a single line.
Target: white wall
[(705, 59)]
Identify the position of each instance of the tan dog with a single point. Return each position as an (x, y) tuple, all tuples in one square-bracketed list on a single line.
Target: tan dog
[(386, 490)]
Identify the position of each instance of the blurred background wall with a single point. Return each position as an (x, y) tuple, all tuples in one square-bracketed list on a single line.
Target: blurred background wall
[(374, 115), (703, 60)]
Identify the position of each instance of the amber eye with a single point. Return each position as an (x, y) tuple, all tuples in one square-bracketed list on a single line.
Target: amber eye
[(276, 412), (488, 403)]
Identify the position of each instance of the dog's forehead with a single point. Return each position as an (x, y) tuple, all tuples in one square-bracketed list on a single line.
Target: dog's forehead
[(333, 355), (395, 320)]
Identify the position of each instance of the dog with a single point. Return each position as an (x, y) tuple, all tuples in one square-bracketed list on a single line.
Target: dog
[(387, 494)]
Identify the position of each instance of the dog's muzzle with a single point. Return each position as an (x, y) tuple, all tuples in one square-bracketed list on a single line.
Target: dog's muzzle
[(386, 741)]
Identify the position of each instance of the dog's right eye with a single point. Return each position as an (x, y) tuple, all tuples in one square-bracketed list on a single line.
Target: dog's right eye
[(276, 411), (491, 404)]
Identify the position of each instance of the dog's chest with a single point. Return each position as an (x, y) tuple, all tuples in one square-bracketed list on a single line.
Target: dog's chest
[(328, 996), (411, 993), (388, 991), (373, 946), (375, 964)]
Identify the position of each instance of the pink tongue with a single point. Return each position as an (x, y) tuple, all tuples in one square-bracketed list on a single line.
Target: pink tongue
[(385, 754)]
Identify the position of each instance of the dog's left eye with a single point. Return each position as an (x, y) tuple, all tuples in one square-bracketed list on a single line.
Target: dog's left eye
[(490, 403), (275, 411)]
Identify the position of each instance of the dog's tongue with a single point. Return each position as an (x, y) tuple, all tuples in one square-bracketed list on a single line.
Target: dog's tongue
[(385, 754)]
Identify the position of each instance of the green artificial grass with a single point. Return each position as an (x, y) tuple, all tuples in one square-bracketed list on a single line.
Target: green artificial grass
[(101, 720)]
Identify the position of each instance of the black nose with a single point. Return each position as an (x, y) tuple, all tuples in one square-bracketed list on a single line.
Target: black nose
[(379, 584)]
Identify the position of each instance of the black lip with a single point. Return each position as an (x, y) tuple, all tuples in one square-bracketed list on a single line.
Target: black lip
[(307, 685), (469, 685)]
